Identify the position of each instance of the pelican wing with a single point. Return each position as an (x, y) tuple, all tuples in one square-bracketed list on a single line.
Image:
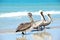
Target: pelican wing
[(23, 27)]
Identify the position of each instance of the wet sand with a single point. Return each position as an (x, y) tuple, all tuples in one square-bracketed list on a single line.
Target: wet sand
[(6, 31), (21, 38), (36, 36), (39, 36), (42, 36)]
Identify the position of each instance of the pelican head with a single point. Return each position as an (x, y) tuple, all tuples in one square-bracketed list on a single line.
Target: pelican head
[(49, 15), (31, 18), (30, 14), (41, 12), (42, 15)]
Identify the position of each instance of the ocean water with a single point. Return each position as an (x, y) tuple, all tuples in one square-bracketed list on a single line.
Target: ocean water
[(12, 23)]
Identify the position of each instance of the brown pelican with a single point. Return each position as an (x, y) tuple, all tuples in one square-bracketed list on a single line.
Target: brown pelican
[(46, 22), (42, 22), (25, 26)]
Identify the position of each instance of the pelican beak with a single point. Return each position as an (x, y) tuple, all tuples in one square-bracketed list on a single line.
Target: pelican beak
[(17, 30)]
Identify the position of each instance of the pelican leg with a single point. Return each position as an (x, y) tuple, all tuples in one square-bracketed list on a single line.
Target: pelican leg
[(23, 33), (23, 36)]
